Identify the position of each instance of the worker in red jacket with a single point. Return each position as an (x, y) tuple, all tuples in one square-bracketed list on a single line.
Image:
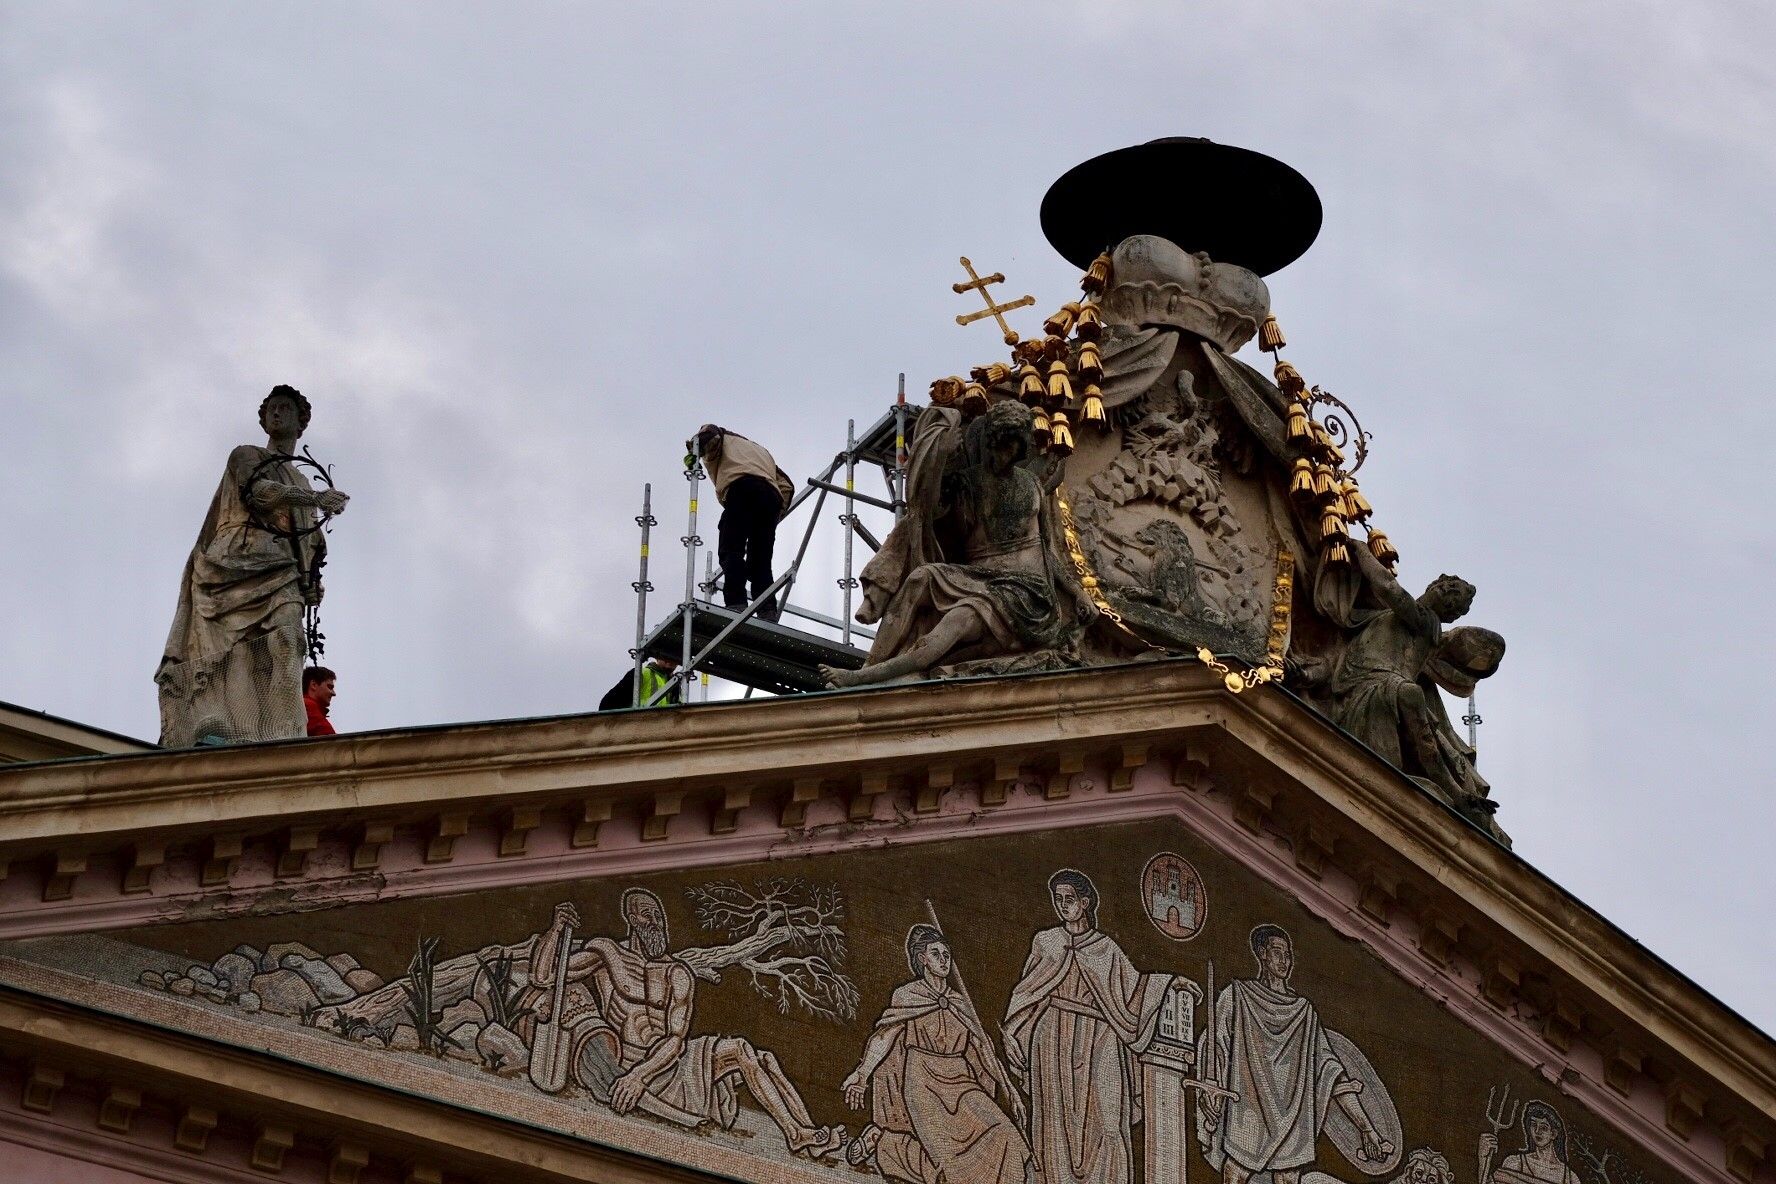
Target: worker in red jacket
[(317, 696)]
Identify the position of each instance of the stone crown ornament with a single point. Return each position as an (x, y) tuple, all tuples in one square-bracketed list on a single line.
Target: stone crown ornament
[(1157, 282)]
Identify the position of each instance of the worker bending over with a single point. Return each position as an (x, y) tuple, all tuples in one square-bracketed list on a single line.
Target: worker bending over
[(754, 495)]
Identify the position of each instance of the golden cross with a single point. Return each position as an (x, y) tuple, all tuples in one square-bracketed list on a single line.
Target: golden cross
[(996, 311)]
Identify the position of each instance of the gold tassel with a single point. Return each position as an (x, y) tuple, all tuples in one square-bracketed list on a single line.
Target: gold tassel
[(1097, 275), (1090, 326), (1061, 323), (1331, 526), (1289, 379), (1270, 335), (1301, 483), (1300, 427), (1027, 351), (1336, 554), (1030, 384), (1039, 428), (1359, 505), (1093, 412), (946, 391), (974, 399), (1090, 362), (1061, 436), (991, 375), (1060, 387), (1322, 480), (1383, 550)]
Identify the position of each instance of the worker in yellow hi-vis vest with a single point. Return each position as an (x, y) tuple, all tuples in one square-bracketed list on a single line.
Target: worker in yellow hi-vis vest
[(655, 673)]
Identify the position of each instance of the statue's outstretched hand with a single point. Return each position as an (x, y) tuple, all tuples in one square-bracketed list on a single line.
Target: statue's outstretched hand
[(332, 500)]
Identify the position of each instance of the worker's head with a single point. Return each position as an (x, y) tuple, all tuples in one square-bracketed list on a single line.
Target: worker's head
[(1075, 897), (707, 441), (663, 665), (646, 918), (317, 684)]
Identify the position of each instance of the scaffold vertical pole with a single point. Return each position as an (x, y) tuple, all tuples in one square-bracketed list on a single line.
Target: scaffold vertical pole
[(900, 449), (849, 519), (646, 521), (694, 474)]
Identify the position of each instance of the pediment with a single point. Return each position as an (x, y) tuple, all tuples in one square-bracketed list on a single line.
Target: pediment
[(782, 972)]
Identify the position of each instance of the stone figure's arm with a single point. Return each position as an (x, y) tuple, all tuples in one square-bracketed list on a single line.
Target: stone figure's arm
[(1384, 583), (628, 1088), (274, 495)]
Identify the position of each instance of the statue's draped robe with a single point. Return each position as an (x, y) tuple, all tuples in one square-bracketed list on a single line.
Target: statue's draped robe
[(1022, 594), (932, 1095), (1078, 1015), (1270, 1050), (232, 668)]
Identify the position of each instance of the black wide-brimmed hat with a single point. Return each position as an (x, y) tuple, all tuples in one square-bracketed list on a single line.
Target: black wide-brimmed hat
[(1239, 206)]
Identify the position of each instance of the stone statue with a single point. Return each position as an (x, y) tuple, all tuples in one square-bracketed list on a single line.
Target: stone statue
[(232, 669), (974, 575), (1383, 683)]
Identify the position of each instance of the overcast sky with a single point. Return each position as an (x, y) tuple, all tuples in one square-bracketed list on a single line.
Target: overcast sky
[(516, 253)]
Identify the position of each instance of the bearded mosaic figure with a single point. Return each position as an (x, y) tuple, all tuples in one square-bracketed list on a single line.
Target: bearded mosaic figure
[(973, 578), (232, 668)]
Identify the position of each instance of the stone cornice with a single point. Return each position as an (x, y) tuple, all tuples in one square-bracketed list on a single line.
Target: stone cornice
[(1482, 914), (318, 1112)]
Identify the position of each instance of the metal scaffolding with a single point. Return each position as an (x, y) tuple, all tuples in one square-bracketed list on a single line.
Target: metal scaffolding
[(741, 646)]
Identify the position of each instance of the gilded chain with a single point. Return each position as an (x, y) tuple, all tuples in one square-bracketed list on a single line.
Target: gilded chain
[(1277, 642)]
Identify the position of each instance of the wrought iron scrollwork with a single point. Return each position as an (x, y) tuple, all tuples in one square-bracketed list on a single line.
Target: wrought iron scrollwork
[(1345, 436)]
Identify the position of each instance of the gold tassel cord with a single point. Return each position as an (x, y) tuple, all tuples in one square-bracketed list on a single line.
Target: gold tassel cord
[(1060, 435), (991, 375), (1093, 411), (1040, 428), (1097, 276), (1359, 506), (1030, 384), (1060, 386), (1384, 551), (1301, 481), (1090, 362), (1300, 427), (1061, 323), (974, 399), (1289, 380), (1270, 335), (1090, 325)]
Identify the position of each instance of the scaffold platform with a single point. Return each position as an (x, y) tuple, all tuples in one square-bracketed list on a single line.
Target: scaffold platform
[(765, 655)]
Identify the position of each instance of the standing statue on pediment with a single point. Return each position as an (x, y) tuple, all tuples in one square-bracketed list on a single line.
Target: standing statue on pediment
[(973, 576), (232, 668)]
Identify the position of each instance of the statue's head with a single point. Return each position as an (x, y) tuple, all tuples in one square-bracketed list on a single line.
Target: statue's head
[(1274, 951), (1074, 896), (1450, 597), (927, 952), (284, 411), (1000, 436), (645, 916)]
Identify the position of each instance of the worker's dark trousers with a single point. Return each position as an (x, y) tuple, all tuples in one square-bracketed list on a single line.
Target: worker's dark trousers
[(744, 538)]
